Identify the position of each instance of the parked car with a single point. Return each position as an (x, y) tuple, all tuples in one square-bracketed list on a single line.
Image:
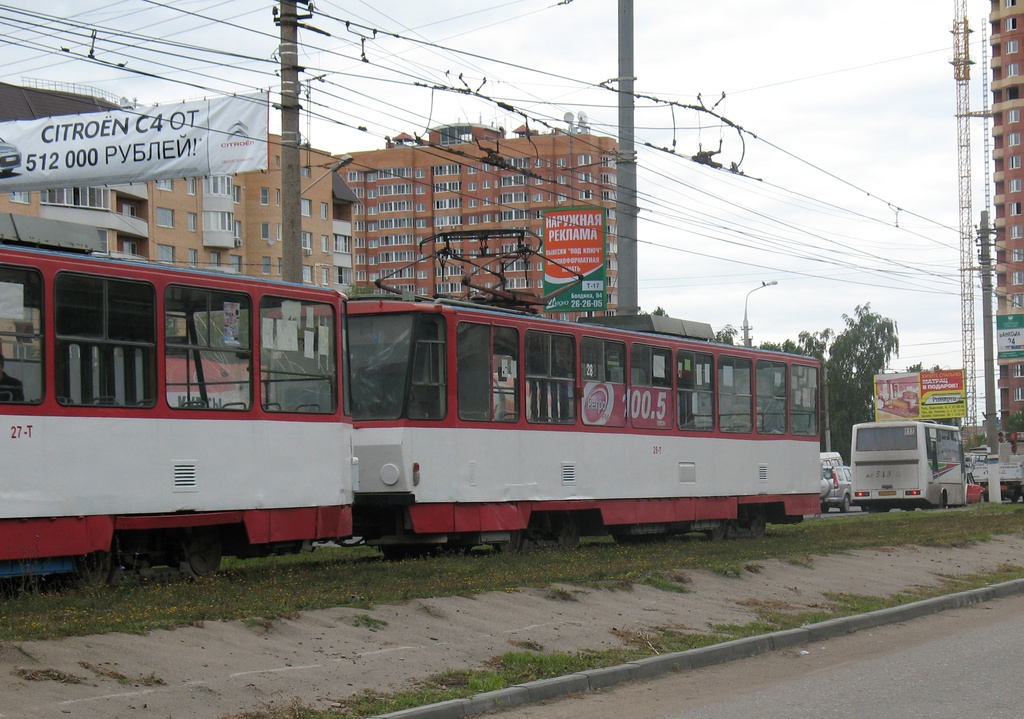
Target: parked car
[(976, 492), (836, 488), (10, 158)]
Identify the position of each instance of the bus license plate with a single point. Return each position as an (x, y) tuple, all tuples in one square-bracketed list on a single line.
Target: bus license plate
[(887, 493)]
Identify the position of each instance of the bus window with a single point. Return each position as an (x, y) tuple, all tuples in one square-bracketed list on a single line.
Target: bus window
[(695, 390), (550, 378), (21, 331), (803, 400), (488, 372), (734, 413), (603, 372), (106, 341), (298, 367), (208, 349), (650, 390), (771, 397)]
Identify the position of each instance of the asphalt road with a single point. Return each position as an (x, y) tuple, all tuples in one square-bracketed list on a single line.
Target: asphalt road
[(959, 663)]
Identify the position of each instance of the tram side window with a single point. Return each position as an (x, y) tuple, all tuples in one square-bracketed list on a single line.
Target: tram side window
[(696, 391), (379, 352), (602, 363), (650, 393), (428, 383), (734, 406), (208, 349), (21, 335), (803, 400), (298, 361), (106, 341), (488, 372), (550, 378), (771, 397)]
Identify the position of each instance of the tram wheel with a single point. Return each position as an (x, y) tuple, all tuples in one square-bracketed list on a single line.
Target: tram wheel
[(96, 569), (569, 532), (202, 552)]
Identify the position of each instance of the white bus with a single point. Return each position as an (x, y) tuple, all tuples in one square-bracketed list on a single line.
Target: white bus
[(907, 465)]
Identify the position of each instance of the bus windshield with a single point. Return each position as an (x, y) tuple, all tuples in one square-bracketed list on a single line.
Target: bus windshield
[(886, 439)]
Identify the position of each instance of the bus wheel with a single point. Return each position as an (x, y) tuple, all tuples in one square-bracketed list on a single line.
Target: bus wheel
[(202, 552), (943, 500)]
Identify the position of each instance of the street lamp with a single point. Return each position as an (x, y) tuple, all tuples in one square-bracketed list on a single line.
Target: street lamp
[(746, 325)]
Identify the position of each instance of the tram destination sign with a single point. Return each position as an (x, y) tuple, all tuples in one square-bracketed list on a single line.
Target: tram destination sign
[(219, 136)]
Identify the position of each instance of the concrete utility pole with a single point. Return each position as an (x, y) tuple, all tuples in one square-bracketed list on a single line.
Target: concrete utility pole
[(625, 206), (985, 240), (291, 219)]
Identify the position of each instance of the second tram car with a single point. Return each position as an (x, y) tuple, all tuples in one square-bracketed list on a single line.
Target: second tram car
[(156, 419), (479, 426)]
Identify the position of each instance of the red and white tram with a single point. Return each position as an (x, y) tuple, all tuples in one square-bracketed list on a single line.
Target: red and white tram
[(160, 417), (479, 426)]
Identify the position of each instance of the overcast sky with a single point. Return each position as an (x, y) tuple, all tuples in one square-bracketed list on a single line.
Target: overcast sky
[(849, 192)]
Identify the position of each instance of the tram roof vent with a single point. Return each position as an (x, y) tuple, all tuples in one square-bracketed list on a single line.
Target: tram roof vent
[(658, 324)]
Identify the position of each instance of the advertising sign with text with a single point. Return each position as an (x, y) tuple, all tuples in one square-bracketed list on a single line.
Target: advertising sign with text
[(221, 136), (575, 240), (940, 394)]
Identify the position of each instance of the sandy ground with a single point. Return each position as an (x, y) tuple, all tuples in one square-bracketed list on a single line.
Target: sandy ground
[(226, 667)]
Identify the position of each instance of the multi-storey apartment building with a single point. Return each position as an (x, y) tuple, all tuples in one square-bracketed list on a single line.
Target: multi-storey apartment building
[(1007, 24), (229, 223), (471, 177)]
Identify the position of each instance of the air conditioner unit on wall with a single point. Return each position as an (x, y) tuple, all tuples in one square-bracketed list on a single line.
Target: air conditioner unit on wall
[(238, 243), (308, 251)]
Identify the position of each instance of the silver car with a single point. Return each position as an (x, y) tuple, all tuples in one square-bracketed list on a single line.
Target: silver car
[(836, 488), (10, 157)]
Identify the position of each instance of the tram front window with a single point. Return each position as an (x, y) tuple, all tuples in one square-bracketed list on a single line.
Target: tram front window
[(383, 351)]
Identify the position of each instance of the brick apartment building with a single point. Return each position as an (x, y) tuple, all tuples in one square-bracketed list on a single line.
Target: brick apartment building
[(471, 177), (1007, 39), (358, 224), (228, 223)]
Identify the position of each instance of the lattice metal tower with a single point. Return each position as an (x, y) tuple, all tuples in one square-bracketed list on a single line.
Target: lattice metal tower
[(962, 73)]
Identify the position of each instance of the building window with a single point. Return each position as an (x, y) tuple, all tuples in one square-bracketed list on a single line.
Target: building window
[(165, 253), (166, 185), (236, 263), (1015, 185), (264, 195), (1009, 47), (265, 265), (1017, 255), (1010, 24), (164, 217), (1013, 115), (325, 211), (1016, 301), (1014, 208), (1014, 162), (265, 231), (1013, 139), (1012, 70), (1017, 370), (20, 197), (277, 196), (218, 185), (95, 198), (307, 274), (1016, 232), (1009, 3), (217, 221), (342, 243), (307, 207), (305, 171), (325, 243), (215, 259), (1018, 394), (307, 241), (193, 222), (190, 185), (1017, 278), (193, 257), (130, 247)]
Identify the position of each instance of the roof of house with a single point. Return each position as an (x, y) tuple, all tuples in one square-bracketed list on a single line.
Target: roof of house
[(29, 103)]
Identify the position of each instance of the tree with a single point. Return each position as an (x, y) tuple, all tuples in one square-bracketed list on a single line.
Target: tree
[(855, 356), (726, 335)]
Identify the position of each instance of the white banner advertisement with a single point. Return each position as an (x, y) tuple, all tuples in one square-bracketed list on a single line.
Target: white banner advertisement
[(221, 136)]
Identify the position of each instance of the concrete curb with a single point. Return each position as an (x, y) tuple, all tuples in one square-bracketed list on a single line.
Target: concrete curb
[(660, 665)]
